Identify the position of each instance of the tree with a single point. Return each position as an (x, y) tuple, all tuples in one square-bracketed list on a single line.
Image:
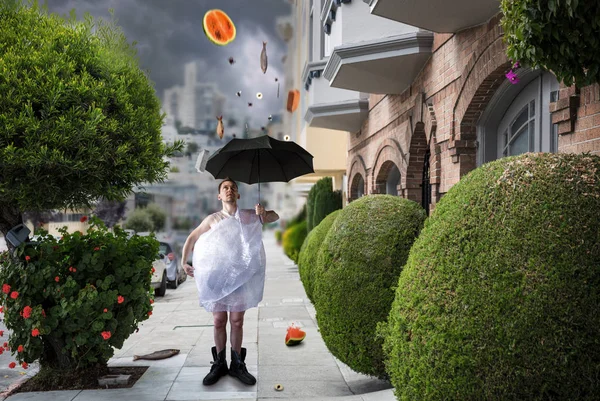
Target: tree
[(139, 221), (157, 215), (559, 36), (79, 119), (110, 212), (191, 148)]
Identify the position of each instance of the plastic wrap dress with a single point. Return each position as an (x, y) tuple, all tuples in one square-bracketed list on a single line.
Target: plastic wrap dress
[(229, 263)]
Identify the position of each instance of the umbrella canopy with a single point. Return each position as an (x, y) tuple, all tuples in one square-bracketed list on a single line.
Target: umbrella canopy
[(260, 159)]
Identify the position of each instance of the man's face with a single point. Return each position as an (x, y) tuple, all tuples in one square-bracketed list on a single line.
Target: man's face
[(229, 192)]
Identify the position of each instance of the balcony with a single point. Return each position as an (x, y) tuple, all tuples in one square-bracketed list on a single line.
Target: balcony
[(370, 54), (331, 108), (449, 16)]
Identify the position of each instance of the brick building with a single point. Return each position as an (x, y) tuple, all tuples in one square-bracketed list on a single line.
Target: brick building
[(439, 104), (459, 112)]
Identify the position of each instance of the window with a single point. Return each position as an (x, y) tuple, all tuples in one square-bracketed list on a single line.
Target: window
[(518, 137), (517, 119)]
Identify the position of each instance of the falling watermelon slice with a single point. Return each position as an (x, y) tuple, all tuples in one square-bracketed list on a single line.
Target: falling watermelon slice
[(218, 27), (294, 335)]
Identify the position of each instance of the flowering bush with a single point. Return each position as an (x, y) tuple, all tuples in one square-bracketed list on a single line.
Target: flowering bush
[(69, 301)]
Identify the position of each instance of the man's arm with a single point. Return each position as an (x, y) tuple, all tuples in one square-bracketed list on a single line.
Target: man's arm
[(270, 216), (191, 241)]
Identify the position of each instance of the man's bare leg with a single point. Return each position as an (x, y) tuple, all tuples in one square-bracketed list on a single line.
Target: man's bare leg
[(220, 330), (236, 319), (238, 354)]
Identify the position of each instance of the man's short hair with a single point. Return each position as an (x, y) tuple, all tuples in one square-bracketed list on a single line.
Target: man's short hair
[(227, 179)]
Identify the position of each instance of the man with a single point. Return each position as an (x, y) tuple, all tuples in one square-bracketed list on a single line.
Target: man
[(229, 268)]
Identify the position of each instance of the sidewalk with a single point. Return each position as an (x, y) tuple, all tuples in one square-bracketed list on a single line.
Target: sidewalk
[(307, 371)]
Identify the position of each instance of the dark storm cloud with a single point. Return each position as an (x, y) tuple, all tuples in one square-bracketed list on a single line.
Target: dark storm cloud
[(169, 34)]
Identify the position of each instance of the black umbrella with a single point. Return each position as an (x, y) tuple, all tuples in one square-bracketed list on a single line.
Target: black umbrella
[(260, 159)]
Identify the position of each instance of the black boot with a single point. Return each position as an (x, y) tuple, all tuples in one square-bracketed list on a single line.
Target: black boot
[(218, 369), (238, 368)]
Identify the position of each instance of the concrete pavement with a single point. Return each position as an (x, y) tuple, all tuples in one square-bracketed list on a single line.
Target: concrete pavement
[(307, 371)]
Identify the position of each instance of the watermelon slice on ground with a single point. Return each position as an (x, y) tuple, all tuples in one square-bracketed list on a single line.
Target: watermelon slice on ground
[(294, 335)]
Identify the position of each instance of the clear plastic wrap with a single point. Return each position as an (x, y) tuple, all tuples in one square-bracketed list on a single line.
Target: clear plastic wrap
[(229, 264)]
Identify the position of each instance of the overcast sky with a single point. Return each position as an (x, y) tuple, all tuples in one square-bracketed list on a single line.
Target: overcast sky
[(169, 34)]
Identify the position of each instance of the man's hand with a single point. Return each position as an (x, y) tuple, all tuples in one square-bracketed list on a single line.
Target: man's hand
[(260, 210), (189, 270)]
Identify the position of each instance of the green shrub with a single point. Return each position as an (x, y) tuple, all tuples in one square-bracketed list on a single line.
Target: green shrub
[(278, 236), (325, 184), (499, 298), (62, 298), (325, 203), (139, 220), (292, 240), (307, 259), (358, 266)]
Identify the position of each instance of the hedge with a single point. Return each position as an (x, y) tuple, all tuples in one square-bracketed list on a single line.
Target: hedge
[(292, 241), (499, 298), (308, 253), (358, 266)]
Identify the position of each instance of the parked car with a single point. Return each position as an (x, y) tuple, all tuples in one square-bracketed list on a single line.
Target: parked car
[(159, 277), (175, 273)]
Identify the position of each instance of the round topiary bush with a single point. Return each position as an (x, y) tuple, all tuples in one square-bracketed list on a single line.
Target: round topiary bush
[(499, 298), (307, 259), (358, 266), (292, 240)]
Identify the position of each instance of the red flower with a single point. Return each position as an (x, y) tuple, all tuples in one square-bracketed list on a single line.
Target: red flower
[(153, 270), (151, 301), (1, 333), (24, 365), (57, 279), (35, 332), (27, 312), (5, 288), (150, 313), (43, 313), (105, 310), (83, 219), (20, 348), (120, 299), (97, 248), (1, 309), (71, 268), (5, 345), (14, 295), (105, 335), (1, 350), (12, 365), (27, 258)]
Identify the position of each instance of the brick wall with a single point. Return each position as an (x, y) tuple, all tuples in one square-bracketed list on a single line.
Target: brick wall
[(441, 109)]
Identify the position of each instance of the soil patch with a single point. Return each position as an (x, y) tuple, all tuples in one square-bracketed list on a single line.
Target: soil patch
[(60, 380)]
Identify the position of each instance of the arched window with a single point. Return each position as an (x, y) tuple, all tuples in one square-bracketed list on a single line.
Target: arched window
[(517, 119), (392, 182), (357, 189)]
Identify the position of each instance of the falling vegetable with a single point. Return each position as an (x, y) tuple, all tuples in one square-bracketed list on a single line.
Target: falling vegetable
[(231, 60), (270, 117), (293, 100), (249, 104), (220, 129), (263, 58), (259, 95), (218, 27), (239, 93)]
